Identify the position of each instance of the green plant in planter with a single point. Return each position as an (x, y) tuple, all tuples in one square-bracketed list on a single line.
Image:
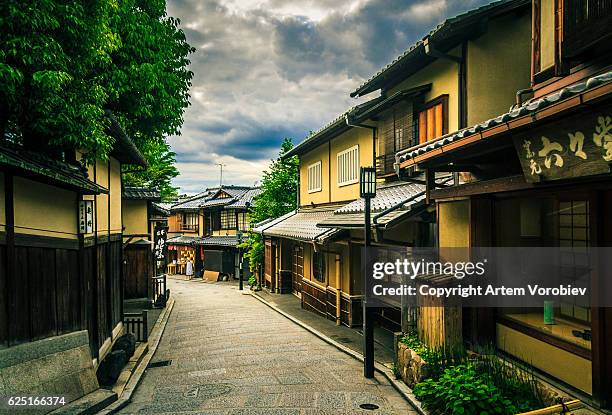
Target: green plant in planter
[(252, 281), (461, 390), (437, 359)]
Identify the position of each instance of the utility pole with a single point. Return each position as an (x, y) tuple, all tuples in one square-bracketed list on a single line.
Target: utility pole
[(221, 165)]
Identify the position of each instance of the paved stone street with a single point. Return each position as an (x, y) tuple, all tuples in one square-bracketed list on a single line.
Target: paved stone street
[(231, 354)]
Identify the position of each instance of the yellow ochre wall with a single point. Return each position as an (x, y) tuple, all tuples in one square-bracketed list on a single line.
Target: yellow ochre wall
[(454, 224), (443, 75), (115, 195), (498, 64), (570, 368), (101, 204), (33, 210), (355, 136), (135, 217), (327, 154), (102, 171), (321, 154)]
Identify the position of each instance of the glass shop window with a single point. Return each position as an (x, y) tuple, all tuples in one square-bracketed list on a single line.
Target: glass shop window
[(551, 221)]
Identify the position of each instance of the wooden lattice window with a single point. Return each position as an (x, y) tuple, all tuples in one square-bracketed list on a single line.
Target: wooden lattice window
[(574, 232), (228, 219)]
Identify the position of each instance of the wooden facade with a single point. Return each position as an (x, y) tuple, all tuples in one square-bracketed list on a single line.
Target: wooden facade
[(540, 178), (61, 245)]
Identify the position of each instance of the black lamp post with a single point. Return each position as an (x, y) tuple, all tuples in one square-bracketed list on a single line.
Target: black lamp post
[(239, 237), (367, 190)]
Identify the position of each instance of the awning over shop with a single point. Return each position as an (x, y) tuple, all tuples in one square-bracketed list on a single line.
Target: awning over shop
[(227, 241), (300, 225), (181, 240)]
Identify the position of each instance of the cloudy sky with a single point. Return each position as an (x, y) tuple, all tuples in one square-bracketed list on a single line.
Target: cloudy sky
[(269, 69)]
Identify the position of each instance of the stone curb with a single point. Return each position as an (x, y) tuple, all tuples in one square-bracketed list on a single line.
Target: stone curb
[(400, 386), (154, 340)]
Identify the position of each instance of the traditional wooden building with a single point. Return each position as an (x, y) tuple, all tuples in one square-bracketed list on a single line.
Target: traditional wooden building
[(138, 210), (539, 175), (207, 228), (437, 86), (60, 267)]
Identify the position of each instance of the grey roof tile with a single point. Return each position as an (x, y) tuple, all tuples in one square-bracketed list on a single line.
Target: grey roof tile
[(301, 225), (182, 240), (218, 240), (140, 193), (41, 166), (246, 199)]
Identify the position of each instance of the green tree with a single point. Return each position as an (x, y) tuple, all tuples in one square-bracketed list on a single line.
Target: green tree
[(279, 196), (150, 78), (64, 64), (51, 92), (160, 172)]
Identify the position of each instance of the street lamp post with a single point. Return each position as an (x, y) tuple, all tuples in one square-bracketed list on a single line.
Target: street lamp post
[(239, 235), (367, 190)]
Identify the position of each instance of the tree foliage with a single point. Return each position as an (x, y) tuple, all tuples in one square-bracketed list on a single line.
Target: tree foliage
[(278, 197), (64, 64)]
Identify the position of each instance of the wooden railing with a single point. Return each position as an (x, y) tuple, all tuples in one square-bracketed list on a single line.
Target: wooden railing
[(384, 164), (184, 227), (137, 324)]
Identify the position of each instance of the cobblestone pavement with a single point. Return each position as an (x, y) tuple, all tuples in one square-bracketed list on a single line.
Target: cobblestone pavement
[(233, 355)]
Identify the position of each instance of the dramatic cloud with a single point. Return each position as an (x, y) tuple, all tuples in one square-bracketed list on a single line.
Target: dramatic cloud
[(269, 69)]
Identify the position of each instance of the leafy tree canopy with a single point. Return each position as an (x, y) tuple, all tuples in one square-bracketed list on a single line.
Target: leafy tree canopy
[(64, 64), (278, 197)]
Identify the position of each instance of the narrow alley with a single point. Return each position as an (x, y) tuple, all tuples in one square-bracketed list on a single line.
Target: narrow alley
[(231, 354)]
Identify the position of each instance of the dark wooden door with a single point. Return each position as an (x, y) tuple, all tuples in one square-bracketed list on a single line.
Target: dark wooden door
[(136, 271), (297, 269)]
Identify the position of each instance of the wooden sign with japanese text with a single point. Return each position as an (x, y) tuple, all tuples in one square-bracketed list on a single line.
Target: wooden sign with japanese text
[(576, 146)]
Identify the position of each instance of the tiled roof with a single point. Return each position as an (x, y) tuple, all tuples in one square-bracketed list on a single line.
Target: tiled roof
[(160, 209), (218, 240), (337, 126), (206, 199), (527, 108), (234, 191), (407, 198), (302, 225), (386, 197), (41, 166), (192, 203), (265, 224), (182, 240), (246, 199), (450, 29), (124, 149), (141, 193)]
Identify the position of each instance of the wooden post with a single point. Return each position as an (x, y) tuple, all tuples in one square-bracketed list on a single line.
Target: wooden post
[(338, 291), (430, 183)]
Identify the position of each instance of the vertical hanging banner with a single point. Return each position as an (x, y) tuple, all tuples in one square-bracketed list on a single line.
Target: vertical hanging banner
[(85, 216), (160, 246)]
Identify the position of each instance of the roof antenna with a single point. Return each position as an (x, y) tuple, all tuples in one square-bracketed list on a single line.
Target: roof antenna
[(221, 165)]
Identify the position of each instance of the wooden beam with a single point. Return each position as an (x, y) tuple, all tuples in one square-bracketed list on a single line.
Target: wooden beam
[(504, 184)]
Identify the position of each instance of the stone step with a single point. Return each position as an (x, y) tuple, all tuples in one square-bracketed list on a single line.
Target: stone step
[(88, 404)]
